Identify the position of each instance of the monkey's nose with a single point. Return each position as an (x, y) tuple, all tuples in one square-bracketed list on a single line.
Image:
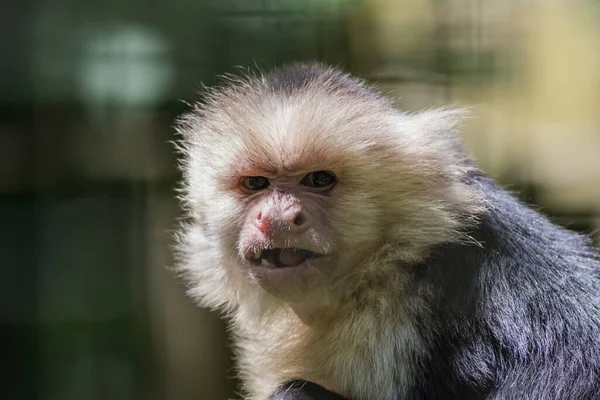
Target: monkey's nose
[(299, 219), (294, 220), (263, 222)]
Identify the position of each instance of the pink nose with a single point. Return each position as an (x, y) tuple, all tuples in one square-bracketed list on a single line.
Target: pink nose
[(263, 222), (290, 220)]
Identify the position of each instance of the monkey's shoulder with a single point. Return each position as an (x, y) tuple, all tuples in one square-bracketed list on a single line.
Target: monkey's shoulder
[(515, 308)]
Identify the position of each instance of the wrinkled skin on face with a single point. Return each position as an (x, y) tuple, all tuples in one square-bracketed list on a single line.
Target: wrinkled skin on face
[(287, 237)]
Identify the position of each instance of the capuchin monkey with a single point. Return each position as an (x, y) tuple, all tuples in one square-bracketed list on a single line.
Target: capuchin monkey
[(357, 252)]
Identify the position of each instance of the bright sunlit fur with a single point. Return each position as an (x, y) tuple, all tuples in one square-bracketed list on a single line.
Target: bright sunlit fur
[(400, 192)]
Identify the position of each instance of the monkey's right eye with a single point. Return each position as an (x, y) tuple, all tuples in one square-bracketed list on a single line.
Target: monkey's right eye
[(255, 183)]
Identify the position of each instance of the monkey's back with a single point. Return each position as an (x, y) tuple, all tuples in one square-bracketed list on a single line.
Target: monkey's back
[(518, 316)]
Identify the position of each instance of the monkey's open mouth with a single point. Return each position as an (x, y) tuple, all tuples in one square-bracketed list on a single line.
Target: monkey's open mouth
[(283, 257)]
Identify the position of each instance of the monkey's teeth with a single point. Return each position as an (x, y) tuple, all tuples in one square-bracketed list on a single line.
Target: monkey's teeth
[(265, 263), (258, 255)]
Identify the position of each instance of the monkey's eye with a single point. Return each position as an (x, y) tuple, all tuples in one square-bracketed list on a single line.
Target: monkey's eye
[(255, 183), (319, 180)]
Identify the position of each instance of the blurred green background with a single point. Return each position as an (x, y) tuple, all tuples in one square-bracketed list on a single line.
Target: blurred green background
[(88, 94)]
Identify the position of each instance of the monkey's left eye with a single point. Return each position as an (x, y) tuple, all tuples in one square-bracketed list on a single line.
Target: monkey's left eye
[(319, 180), (255, 183)]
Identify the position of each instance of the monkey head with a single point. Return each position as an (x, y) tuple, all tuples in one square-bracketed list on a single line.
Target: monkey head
[(298, 185)]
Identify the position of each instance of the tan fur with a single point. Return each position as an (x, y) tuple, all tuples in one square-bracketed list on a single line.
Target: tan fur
[(400, 192)]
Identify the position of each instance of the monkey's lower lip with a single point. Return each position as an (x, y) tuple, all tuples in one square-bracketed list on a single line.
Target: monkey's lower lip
[(283, 257)]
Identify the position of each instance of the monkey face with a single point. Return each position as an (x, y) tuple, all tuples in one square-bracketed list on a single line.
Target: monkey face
[(305, 191), (288, 195), (296, 220), (290, 238)]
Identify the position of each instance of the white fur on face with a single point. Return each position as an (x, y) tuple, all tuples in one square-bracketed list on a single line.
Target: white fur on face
[(400, 191)]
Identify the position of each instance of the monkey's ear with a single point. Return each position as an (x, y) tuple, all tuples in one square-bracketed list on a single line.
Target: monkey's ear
[(303, 390), (436, 131), (444, 119)]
